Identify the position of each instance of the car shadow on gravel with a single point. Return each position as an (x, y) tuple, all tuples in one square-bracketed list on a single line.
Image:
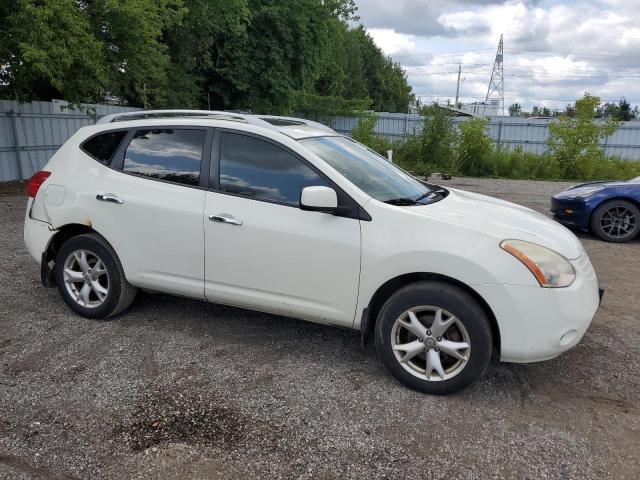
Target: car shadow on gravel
[(229, 331)]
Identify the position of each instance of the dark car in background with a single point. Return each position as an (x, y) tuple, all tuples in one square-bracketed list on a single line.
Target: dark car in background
[(610, 210)]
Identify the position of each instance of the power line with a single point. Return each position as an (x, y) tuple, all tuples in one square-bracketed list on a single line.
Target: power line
[(522, 51), (573, 100)]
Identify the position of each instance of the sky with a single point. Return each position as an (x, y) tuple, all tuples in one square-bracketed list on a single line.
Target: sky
[(554, 51)]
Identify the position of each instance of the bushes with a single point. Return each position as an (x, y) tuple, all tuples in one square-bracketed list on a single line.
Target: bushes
[(474, 149), (438, 138), (469, 151), (575, 141), (365, 134), (409, 155)]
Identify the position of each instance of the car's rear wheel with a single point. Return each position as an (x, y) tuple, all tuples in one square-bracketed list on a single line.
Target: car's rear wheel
[(90, 278), (434, 337), (616, 221)]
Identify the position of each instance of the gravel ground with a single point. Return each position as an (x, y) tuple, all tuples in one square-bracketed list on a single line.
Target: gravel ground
[(180, 388)]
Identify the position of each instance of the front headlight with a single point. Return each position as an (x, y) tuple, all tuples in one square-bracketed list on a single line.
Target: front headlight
[(551, 269)]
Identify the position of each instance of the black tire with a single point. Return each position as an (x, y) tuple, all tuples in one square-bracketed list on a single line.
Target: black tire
[(452, 300), (120, 293), (609, 208)]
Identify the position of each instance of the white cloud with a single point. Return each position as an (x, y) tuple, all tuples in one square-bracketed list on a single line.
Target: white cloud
[(554, 50), (392, 42)]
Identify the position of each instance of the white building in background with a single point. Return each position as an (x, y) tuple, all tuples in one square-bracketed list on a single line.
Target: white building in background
[(490, 109)]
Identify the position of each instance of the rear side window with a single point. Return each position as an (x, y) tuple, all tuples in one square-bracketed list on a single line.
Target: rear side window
[(168, 154), (257, 169), (103, 146)]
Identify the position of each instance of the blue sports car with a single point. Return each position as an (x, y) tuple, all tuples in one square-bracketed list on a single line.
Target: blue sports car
[(611, 210)]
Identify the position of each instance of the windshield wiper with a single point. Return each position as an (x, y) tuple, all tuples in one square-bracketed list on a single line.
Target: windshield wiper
[(401, 202)]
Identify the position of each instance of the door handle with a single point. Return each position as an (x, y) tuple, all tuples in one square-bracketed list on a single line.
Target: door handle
[(224, 218), (109, 197)]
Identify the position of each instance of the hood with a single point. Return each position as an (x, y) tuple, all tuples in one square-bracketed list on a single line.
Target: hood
[(584, 190), (600, 183), (503, 220)]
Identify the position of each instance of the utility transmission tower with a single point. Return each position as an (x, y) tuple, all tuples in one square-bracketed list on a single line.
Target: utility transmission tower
[(496, 84)]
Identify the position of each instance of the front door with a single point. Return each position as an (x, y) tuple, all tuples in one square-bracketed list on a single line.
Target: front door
[(262, 251)]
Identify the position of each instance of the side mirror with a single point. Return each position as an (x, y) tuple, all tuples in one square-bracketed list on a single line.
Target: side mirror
[(319, 199)]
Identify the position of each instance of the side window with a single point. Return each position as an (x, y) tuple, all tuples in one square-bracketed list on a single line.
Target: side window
[(261, 170), (102, 147), (167, 154)]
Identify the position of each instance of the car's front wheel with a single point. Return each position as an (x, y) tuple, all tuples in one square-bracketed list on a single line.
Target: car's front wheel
[(90, 278), (616, 221), (434, 337)]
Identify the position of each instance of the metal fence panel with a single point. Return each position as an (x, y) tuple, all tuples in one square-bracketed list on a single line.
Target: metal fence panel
[(532, 135), (42, 127), (30, 133)]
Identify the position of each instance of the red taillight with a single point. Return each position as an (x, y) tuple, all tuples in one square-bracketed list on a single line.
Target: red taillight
[(34, 182)]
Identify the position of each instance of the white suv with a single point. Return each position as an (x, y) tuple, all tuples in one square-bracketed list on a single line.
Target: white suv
[(289, 217)]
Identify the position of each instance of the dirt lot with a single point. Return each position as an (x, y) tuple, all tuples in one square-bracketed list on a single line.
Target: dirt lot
[(179, 388)]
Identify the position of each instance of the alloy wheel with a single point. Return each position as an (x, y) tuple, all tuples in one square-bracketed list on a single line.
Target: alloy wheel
[(618, 222), (430, 343), (86, 278)]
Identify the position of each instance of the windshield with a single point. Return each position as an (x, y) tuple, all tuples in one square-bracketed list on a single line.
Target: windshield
[(372, 173)]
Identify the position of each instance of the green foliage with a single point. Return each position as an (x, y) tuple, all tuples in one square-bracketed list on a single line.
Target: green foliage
[(410, 156), (407, 154), (474, 148), (471, 153), (423, 153), (519, 164), (575, 141), (364, 132), (48, 48), (618, 111), (269, 56), (324, 107), (515, 110), (438, 138)]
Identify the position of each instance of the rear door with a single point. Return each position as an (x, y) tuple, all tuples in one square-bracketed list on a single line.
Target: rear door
[(261, 250), (149, 205)]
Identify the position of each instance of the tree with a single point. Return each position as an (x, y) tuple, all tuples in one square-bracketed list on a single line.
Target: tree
[(269, 56), (81, 50), (618, 111), (131, 34), (575, 142), (201, 50), (515, 110), (569, 111), (624, 111), (48, 50)]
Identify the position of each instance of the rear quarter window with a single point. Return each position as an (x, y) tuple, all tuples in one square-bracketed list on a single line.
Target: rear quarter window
[(103, 146)]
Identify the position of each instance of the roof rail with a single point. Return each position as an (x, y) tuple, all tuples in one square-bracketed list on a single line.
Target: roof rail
[(143, 114), (271, 122)]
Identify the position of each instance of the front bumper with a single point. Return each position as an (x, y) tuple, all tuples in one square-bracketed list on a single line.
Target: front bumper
[(541, 323), (570, 212)]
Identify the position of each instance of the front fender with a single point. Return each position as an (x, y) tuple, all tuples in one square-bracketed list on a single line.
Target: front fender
[(393, 245)]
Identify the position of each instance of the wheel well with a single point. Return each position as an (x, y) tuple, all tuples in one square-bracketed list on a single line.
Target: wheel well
[(65, 233), (393, 285)]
